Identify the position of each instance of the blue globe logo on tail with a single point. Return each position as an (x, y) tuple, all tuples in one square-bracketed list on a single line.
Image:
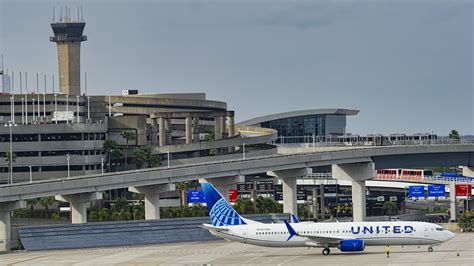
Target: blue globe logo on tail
[(220, 211)]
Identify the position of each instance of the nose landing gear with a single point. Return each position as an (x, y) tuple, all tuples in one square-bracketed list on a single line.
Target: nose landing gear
[(326, 251)]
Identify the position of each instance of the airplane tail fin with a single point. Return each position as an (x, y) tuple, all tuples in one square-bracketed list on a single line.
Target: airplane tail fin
[(220, 211)]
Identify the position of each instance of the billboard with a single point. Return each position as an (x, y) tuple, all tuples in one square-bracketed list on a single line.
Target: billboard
[(416, 191), (463, 190), (195, 196), (436, 191)]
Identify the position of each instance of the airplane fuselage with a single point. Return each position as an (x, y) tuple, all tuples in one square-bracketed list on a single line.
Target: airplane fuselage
[(372, 234)]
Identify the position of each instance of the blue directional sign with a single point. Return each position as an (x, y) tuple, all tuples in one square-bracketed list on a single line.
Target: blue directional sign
[(416, 191), (195, 196), (436, 191)]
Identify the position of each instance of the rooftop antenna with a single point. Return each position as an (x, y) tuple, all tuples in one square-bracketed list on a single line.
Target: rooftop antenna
[(54, 14), (61, 16), (78, 18), (82, 18)]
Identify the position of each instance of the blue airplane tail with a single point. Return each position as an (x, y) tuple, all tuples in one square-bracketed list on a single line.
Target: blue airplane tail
[(220, 211)]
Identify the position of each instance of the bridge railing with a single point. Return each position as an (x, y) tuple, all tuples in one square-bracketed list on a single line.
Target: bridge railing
[(332, 141), (434, 178)]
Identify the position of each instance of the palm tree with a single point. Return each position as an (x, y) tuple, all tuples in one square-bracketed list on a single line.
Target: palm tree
[(103, 214), (46, 202), (454, 135), (10, 158), (32, 203), (143, 155), (128, 136), (110, 147)]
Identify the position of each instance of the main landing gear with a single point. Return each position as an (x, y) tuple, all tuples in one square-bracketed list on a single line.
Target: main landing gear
[(326, 251), (430, 249)]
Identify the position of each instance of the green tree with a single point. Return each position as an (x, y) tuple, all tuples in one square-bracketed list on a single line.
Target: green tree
[(454, 135), (138, 212), (128, 136), (32, 203), (198, 210), (57, 217), (104, 215), (143, 156), (244, 206), (110, 147), (466, 221), (390, 208), (10, 158), (267, 205), (208, 137), (93, 216), (46, 202)]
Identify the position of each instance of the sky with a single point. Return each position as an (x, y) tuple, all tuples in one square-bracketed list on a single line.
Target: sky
[(406, 65)]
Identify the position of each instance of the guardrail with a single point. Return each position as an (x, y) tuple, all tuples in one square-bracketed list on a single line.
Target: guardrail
[(436, 178)]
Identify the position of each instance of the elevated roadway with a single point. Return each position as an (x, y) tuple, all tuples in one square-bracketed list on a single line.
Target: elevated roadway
[(382, 157)]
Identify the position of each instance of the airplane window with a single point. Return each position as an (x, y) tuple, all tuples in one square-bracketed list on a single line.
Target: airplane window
[(439, 229)]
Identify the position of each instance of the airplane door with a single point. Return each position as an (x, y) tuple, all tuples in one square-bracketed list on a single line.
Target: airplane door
[(426, 234)]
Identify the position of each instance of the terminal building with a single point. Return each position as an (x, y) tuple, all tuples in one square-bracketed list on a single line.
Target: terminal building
[(305, 125), (58, 133)]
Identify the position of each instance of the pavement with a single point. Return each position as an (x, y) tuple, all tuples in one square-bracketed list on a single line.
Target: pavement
[(226, 253)]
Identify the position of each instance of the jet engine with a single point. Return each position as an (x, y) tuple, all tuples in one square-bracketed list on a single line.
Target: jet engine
[(351, 245)]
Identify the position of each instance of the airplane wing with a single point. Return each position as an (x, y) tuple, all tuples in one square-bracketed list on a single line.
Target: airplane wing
[(215, 228), (322, 239)]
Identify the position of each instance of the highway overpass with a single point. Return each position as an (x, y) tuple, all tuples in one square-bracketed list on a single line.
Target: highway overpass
[(355, 165)]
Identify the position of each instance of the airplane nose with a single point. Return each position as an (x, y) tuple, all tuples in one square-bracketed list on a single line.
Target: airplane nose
[(450, 235)]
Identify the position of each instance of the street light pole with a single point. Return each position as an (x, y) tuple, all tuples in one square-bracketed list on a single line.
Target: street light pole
[(102, 164), (68, 172), (31, 175), (77, 108), (10, 124)]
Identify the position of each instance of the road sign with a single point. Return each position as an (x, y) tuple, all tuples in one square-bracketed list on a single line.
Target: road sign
[(232, 195), (416, 191), (195, 196), (463, 190), (436, 191)]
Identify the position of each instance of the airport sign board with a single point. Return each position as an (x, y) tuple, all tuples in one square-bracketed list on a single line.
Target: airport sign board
[(232, 195), (436, 191), (416, 191), (463, 190), (195, 196)]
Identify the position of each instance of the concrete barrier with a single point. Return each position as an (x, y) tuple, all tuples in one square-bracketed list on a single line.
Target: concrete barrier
[(107, 234)]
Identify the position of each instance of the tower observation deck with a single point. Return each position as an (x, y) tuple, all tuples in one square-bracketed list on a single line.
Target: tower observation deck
[(68, 37)]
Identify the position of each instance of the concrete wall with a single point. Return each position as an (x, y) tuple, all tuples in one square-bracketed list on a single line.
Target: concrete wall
[(107, 234)]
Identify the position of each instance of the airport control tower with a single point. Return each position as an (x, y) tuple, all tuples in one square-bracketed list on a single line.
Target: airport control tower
[(68, 37)]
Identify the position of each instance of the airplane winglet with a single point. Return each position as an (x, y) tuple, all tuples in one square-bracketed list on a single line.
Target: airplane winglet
[(294, 219), (290, 230)]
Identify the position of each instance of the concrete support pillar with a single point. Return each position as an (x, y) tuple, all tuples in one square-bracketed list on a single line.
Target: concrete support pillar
[(154, 131), (323, 202), (358, 201), (288, 179), (188, 130), (196, 129), (231, 126), (357, 173), (5, 235), (452, 201), (217, 128), (78, 203), (468, 171), (152, 198), (168, 131), (223, 125), (223, 184), (162, 131)]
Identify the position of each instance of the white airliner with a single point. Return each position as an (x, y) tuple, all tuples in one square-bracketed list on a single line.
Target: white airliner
[(347, 236)]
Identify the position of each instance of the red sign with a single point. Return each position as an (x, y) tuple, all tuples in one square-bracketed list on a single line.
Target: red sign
[(232, 195), (463, 190)]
